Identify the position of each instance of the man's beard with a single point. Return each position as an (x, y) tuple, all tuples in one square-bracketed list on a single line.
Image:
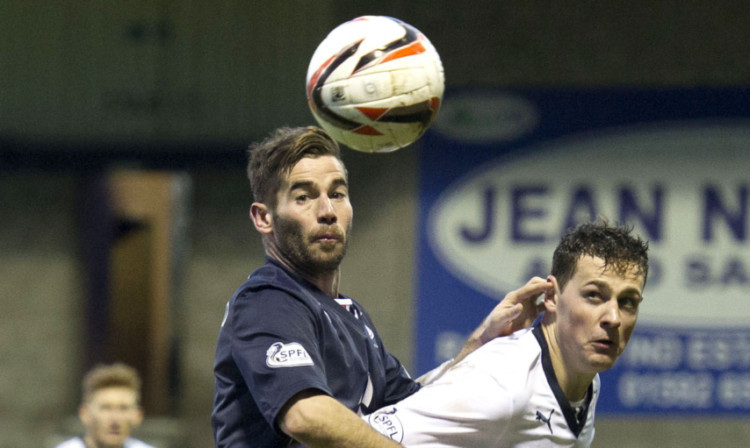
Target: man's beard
[(298, 248)]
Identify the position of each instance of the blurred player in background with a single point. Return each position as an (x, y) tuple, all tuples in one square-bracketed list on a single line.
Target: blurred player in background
[(296, 361), (110, 409), (538, 387)]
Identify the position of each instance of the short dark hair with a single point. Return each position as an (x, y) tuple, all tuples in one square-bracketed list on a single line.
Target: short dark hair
[(274, 157), (104, 376), (616, 245)]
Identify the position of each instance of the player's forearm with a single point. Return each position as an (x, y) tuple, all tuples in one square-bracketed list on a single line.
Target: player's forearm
[(477, 338), (517, 310), (317, 420)]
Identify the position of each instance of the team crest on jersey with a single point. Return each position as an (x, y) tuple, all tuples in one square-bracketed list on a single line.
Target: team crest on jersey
[(385, 422), (287, 355)]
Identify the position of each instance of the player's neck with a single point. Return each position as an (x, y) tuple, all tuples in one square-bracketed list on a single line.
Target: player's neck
[(326, 281), (574, 384)]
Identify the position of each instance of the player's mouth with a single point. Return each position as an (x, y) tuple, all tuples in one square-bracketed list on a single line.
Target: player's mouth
[(115, 432), (604, 345), (328, 237)]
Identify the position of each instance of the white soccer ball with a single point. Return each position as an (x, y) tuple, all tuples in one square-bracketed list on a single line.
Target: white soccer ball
[(375, 84)]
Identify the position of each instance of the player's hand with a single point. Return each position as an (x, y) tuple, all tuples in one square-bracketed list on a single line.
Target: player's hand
[(517, 310)]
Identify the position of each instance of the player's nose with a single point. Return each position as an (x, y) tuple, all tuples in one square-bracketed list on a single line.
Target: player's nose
[(611, 317), (326, 210)]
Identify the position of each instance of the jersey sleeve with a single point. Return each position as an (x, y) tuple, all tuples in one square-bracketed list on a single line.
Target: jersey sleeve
[(466, 407), (275, 345), (399, 384)]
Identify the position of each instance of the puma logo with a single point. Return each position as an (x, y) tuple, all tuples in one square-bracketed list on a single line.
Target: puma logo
[(541, 418)]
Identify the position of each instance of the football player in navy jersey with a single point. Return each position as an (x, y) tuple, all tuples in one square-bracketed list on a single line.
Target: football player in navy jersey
[(538, 387), (297, 363)]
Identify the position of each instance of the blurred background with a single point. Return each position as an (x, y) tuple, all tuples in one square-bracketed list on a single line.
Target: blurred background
[(123, 131)]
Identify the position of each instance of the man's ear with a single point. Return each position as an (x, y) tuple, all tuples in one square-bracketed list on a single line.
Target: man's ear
[(84, 415), (138, 417), (261, 217), (550, 298)]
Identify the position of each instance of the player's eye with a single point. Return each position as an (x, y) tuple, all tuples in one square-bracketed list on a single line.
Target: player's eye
[(593, 295), (628, 303)]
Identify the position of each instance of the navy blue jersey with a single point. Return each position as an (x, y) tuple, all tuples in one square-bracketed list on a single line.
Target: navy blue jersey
[(282, 335)]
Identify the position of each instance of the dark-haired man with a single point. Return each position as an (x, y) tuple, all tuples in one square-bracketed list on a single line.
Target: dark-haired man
[(296, 361), (538, 387)]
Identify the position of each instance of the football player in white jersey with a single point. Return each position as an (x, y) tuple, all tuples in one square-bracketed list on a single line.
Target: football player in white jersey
[(537, 387), (110, 409)]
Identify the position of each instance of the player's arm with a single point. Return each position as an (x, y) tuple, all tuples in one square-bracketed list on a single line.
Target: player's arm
[(516, 311), (318, 420), (466, 408)]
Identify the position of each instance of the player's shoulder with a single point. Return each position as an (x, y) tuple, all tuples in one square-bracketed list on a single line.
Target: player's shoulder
[(271, 299), (75, 442), (507, 357), (269, 286), (270, 275), (505, 360), (519, 346), (273, 280), (135, 443)]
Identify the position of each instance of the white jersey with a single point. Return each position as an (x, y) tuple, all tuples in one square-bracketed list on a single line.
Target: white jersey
[(504, 394), (77, 442)]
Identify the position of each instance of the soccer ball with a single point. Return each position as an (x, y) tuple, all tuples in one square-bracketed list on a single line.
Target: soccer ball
[(375, 84)]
